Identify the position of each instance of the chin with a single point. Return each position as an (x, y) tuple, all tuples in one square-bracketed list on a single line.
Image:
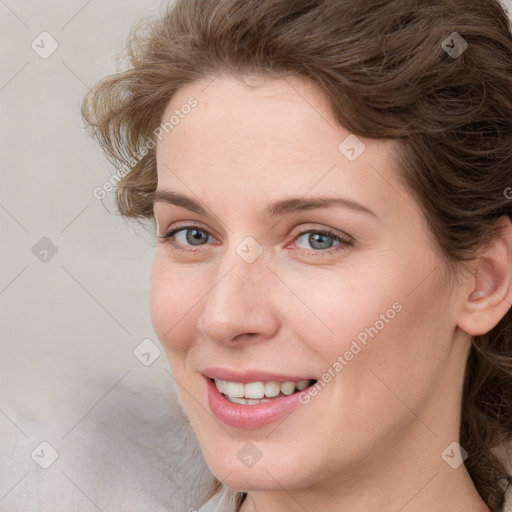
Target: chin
[(243, 465)]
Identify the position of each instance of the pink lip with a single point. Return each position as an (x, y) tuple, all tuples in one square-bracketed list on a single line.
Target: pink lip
[(249, 416), (250, 376)]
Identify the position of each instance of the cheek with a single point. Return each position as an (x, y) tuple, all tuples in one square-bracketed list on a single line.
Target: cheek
[(332, 309), (396, 345), (373, 321), (172, 299)]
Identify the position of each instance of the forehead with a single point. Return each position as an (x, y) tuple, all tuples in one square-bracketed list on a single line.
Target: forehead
[(267, 112), (269, 135)]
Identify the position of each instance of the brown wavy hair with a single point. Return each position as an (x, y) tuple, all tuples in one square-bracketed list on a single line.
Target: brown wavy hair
[(383, 68)]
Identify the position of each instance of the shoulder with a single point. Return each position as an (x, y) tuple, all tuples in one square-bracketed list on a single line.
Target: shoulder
[(222, 502)]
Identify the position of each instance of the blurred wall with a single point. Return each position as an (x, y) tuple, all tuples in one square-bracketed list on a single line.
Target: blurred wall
[(74, 285)]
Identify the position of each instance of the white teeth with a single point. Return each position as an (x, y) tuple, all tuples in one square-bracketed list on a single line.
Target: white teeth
[(235, 389), (254, 393), (247, 401), (222, 385), (302, 384), (288, 388), (236, 400), (272, 389), (254, 390)]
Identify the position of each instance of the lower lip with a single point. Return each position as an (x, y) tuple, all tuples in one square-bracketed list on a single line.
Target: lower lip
[(249, 416)]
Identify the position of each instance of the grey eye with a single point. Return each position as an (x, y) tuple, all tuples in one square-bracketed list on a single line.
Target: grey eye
[(317, 241), (192, 236)]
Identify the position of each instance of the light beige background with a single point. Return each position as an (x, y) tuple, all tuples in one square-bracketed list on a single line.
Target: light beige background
[(69, 326)]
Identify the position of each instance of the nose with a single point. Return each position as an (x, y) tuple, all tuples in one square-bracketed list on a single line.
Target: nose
[(239, 306)]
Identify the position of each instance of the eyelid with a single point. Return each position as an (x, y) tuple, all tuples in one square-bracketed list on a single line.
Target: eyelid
[(344, 240), (191, 224), (308, 227), (168, 235)]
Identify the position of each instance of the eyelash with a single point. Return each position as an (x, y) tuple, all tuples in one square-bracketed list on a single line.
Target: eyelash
[(343, 242)]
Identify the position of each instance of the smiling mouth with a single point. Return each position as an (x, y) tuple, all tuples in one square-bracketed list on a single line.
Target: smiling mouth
[(255, 393)]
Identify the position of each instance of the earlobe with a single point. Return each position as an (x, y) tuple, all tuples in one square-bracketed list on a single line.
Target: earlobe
[(488, 294)]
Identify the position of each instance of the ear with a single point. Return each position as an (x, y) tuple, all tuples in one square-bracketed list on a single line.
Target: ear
[(487, 295)]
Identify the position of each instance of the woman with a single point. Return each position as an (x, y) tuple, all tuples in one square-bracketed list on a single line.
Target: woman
[(330, 185)]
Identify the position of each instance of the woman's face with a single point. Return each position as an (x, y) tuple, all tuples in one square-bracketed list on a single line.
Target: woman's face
[(297, 256)]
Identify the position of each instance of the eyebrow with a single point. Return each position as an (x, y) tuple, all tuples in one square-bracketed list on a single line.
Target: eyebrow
[(283, 207)]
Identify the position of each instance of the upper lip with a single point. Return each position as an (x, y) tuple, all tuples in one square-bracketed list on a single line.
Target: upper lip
[(249, 375)]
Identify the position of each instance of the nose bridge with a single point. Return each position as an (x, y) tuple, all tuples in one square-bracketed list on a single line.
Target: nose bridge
[(242, 270), (238, 300)]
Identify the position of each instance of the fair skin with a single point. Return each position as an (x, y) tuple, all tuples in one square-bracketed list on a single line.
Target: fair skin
[(372, 439)]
